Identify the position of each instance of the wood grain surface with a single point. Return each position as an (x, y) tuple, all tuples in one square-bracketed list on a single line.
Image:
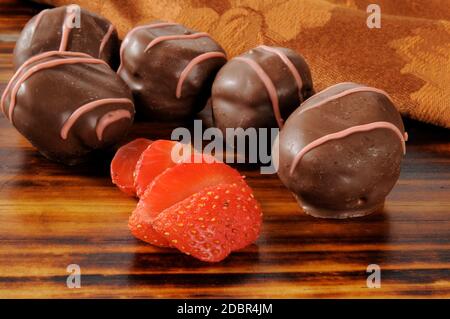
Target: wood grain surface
[(52, 216)]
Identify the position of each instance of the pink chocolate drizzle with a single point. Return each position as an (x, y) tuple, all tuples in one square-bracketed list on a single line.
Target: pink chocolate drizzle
[(66, 29), (325, 90), (105, 39), (30, 61), (42, 66), (87, 108), (175, 37), (341, 134), (128, 36), (110, 118), (290, 66), (344, 93), (199, 59), (270, 87)]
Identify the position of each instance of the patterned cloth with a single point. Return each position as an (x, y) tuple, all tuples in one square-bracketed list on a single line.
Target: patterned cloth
[(409, 56)]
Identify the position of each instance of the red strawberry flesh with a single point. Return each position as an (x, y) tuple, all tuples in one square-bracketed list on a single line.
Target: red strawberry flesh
[(176, 184), (212, 223), (124, 163), (152, 162), (184, 180), (140, 226)]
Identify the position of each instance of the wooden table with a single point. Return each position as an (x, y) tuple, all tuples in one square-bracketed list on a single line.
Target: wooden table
[(52, 216)]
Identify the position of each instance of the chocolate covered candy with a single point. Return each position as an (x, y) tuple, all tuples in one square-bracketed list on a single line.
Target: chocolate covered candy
[(68, 104), (68, 28), (341, 150), (170, 69), (260, 88)]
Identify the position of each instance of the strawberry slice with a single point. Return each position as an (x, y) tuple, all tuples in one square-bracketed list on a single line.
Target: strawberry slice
[(140, 226), (183, 180), (212, 223), (175, 184), (152, 162), (124, 163)]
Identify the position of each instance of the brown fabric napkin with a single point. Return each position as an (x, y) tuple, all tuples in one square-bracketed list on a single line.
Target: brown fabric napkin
[(409, 56)]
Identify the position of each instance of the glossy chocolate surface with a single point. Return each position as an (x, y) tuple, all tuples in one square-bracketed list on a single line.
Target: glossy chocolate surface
[(260, 88), (170, 69), (68, 104), (354, 138), (58, 29)]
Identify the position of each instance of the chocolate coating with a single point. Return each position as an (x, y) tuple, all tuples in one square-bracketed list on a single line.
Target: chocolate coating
[(354, 163), (68, 104), (250, 89), (95, 36), (170, 69), (206, 115)]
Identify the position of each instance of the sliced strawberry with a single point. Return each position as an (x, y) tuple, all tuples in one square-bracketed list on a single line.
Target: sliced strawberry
[(152, 162), (212, 223), (124, 163), (141, 228), (183, 180), (178, 183)]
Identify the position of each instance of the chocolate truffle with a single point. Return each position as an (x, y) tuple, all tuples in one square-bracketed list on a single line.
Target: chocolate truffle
[(260, 88), (170, 69), (68, 104), (68, 28), (340, 151)]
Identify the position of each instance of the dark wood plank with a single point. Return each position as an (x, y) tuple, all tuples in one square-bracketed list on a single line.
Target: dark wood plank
[(52, 216)]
